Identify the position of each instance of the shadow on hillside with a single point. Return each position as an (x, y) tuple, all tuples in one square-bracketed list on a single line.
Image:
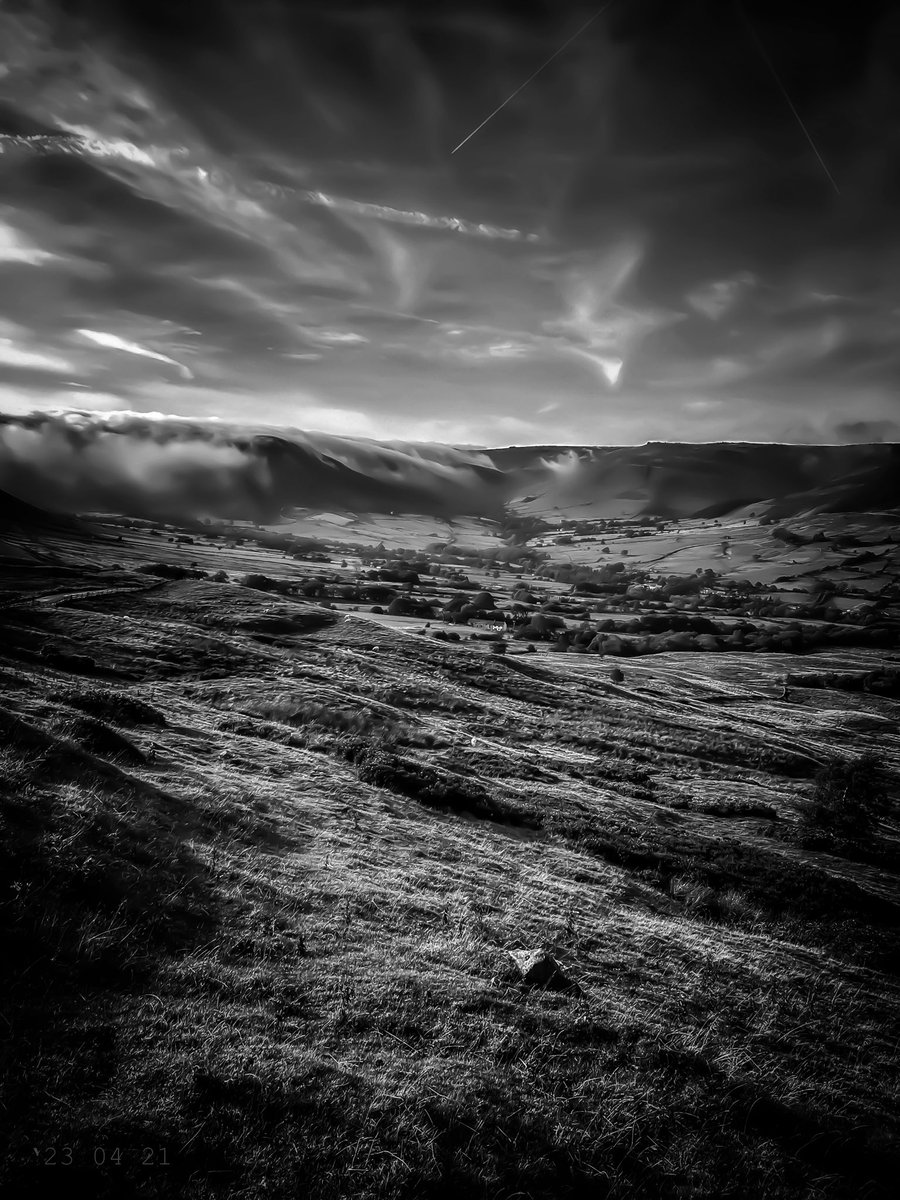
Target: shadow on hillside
[(97, 888), (866, 1159)]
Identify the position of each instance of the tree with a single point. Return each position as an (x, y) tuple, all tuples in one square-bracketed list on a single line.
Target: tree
[(483, 600)]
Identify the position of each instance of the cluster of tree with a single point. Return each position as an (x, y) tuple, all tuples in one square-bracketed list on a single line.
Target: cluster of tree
[(264, 583), (163, 570), (611, 576), (539, 627), (401, 571), (882, 682), (458, 610), (451, 574), (517, 530), (680, 633), (410, 606), (792, 538), (502, 557)]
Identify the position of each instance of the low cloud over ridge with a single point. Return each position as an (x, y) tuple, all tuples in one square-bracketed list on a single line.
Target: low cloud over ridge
[(164, 466), (170, 466)]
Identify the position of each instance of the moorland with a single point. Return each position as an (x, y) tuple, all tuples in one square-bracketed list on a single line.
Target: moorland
[(290, 810)]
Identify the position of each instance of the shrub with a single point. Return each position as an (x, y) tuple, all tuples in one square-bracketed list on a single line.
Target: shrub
[(98, 738), (114, 706), (163, 570), (322, 716), (847, 801), (377, 763), (261, 583)]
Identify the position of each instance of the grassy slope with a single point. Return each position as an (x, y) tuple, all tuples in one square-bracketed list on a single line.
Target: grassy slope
[(227, 945)]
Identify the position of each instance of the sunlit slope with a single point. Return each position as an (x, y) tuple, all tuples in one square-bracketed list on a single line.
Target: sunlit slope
[(676, 480)]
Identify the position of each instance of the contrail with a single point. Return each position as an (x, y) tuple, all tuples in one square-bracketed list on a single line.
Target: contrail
[(767, 60), (534, 75)]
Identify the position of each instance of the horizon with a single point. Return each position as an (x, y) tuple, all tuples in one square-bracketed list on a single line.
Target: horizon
[(263, 428)]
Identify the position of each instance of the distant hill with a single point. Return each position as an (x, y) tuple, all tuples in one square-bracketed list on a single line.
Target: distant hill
[(377, 477), (685, 480), (189, 472), (24, 526), (18, 516)]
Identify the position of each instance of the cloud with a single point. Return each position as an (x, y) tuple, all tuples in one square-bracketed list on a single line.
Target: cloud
[(15, 249), (87, 141), (718, 297), (406, 267), (424, 220), (112, 342), (325, 419), (886, 430), (596, 326), (265, 205), (165, 465), (15, 356), (339, 337), (609, 368)]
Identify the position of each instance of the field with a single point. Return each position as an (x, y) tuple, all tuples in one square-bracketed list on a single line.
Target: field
[(266, 854)]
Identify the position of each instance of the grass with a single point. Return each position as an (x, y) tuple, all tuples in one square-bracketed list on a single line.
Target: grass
[(378, 763), (97, 887), (98, 738), (848, 800), (259, 924)]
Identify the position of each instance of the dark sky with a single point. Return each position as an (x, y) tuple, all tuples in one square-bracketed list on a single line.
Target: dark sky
[(251, 210)]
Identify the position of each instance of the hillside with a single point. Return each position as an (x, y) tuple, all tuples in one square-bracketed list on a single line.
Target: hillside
[(675, 480), (24, 527), (266, 864), (18, 515)]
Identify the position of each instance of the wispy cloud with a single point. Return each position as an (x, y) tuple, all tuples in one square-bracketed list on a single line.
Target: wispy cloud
[(111, 341), (14, 248), (12, 355), (275, 222), (424, 220), (719, 296)]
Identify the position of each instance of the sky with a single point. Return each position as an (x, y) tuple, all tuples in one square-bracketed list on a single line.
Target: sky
[(683, 228)]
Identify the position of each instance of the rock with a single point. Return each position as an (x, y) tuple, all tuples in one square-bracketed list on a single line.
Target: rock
[(540, 969)]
